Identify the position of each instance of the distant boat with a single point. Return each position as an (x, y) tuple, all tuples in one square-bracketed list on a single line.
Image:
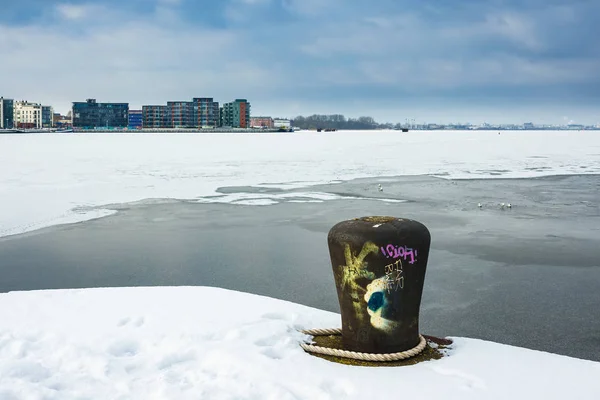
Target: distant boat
[(36, 130)]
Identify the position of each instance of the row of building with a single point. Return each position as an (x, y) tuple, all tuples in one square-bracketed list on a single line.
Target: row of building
[(202, 112)]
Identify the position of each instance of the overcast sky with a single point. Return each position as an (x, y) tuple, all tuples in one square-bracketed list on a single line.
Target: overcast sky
[(442, 60)]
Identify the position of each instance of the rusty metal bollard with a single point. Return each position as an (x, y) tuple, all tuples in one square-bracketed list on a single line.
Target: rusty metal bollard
[(379, 269)]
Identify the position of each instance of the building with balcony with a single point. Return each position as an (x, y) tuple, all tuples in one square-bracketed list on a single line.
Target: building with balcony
[(92, 115), (181, 114), (261, 122), (205, 112), (198, 113), (136, 119), (7, 113), (154, 117), (27, 115), (236, 114)]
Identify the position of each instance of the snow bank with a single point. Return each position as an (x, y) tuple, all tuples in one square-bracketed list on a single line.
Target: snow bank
[(208, 343), (49, 179)]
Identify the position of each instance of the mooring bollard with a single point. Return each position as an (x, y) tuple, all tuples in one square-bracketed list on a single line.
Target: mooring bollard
[(379, 269)]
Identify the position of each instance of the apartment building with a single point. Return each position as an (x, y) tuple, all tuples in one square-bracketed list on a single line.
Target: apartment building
[(261, 122), (6, 113), (27, 115), (236, 114), (198, 113)]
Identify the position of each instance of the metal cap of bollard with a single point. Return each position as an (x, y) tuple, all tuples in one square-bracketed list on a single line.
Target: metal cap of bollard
[(379, 268)]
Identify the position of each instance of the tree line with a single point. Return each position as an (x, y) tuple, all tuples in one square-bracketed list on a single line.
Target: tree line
[(338, 121)]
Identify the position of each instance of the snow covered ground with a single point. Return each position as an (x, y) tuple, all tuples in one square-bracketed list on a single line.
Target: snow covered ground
[(207, 343), (49, 179)]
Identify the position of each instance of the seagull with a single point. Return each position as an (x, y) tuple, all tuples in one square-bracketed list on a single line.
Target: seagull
[(380, 188), (502, 205), (509, 205), (479, 205)]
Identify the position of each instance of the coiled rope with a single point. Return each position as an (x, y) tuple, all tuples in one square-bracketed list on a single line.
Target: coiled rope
[(355, 355)]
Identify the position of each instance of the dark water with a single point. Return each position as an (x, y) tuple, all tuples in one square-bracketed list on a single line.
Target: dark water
[(527, 276)]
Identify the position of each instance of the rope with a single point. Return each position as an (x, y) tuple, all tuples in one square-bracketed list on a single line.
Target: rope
[(357, 355), (323, 331)]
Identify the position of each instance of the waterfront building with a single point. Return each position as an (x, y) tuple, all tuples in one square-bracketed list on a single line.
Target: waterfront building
[(180, 114), (6, 113), (261, 122), (47, 117), (155, 117), (236, 114), (135, 119), (198, 113), (205, 112), (90, 115), (27, 115)]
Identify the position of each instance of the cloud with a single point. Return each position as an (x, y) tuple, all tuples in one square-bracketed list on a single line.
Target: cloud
[(313, 8), (73, 12), (290, 54), (254, 2), (509, 71), (409, 52), (143, 62)]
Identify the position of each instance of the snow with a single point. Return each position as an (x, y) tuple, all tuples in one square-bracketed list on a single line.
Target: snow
[(198, 342), (78, 176), (275, 198), (208, 343)]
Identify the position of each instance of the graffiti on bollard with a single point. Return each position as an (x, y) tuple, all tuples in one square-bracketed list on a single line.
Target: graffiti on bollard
[(379, 267)]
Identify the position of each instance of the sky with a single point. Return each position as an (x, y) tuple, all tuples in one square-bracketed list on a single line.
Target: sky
[(497, 61)]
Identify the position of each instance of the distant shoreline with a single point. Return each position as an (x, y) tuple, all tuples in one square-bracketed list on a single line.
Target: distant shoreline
[(124, 130), (250, 130)]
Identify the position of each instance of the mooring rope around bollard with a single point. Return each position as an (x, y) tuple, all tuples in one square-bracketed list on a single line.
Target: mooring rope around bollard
[(402, 355)]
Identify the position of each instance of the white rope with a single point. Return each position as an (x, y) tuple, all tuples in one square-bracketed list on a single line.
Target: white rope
[(323, 331), (402, 355)]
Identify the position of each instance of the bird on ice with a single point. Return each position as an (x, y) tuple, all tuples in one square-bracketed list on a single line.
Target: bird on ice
[(479, 205), (502, 205), (380, 188), (509, 205)]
